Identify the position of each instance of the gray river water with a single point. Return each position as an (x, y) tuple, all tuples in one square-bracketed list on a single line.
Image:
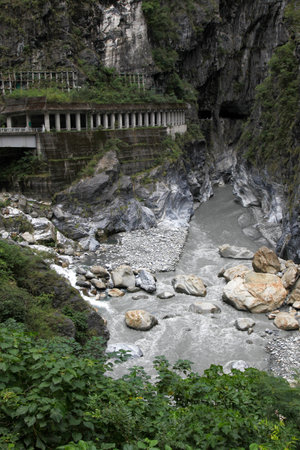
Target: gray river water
[(180, 334)]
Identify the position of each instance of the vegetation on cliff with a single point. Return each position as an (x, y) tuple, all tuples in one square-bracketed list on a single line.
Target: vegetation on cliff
[(36, 296), (271, 135)]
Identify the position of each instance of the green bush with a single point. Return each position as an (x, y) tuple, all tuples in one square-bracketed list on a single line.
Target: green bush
[(52, 396)]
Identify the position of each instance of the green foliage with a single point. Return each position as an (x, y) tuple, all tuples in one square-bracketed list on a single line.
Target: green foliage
[(268, 138), (163, 21), (19, 169), (102, 86), (53, 396), (36, 296)]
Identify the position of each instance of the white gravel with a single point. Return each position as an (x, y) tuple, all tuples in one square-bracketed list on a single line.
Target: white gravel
[(156, 249)]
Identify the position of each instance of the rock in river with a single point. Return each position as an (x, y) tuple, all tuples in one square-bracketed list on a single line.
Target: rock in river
[(230, 251), (189, 284), (140, 320), (286, 321), (123, 276), (257, 292), (204, 308), (145, 281), (244, 323), (266, 261)]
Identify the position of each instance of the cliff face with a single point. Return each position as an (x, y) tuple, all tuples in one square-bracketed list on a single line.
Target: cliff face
[(38, 34)]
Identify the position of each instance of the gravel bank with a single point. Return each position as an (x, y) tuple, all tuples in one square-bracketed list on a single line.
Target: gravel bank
[(285, 355), (157, 249)]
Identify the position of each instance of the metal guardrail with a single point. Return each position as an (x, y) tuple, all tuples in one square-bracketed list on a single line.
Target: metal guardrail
[(20, 130)]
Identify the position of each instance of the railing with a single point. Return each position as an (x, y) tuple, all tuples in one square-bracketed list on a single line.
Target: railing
[(20, 130)]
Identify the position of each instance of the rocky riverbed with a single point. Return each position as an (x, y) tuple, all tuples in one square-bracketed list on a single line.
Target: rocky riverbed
[(168, 251)]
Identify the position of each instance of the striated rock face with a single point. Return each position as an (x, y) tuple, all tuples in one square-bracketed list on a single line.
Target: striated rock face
[(124, 37)]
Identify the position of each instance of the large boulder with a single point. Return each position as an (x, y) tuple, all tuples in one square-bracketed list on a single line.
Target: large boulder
[(204, 308), (266, 261), (145, 280), (189, 284), (286, 321), (230, 251), (257, 292), (140, 320), (237, 364), (123, 276)]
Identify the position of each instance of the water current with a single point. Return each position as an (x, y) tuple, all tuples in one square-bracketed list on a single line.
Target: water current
[(180, 334)]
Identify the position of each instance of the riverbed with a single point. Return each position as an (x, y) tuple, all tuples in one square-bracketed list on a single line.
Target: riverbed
[(181, 334)]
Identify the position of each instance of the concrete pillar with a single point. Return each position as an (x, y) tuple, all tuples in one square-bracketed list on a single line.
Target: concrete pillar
[(168, 118), (47, 121), (105, 121), (57, 122), (8, 122), (140, 120), (133, 120), (183, 118), (91, 121), (152, 119), (120, 120), (146, 119), (164, 119), (68, 121), (78, 122), (28, 121), (98, 120), (158, 118), (126, 120), (112, 121)]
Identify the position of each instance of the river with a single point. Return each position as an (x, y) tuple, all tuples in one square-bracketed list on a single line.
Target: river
[(180, 334)]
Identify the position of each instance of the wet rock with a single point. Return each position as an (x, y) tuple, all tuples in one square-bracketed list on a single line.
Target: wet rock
[(266, 261), (133, 289), (132, 350), (89, 275), (140, 320), (236, 271), (235, 364), (230, 251), (204, 308), (165, 295), (98, 283), (83, 284), (286, 321), (257, 292), (140, 297), (296, 305), (244, 324), (115, 292), (123, 276), (97, 326), (145, 281), (189, 284), (100, 271)]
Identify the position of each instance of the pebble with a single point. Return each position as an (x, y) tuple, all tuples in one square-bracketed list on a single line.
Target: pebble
[(284, 355), (157, 249)]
